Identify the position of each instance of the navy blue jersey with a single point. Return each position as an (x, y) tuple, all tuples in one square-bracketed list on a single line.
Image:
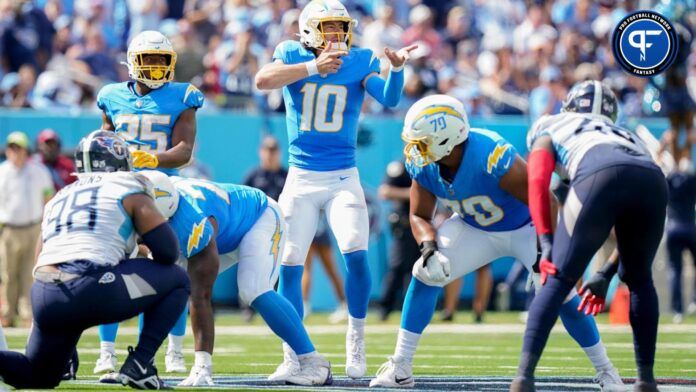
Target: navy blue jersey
[(682, 197)]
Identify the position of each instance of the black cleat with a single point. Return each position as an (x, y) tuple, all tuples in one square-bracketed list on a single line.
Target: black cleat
[(139, 375), (521, 384), (644, 386), (71, 367)]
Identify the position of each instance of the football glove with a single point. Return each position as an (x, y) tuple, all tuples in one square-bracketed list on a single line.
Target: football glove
[(144, 160), (594, 291), (435, 265), (546, 267)]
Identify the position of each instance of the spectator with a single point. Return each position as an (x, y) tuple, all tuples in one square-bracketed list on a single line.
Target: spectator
[(96, 56), (547, 97), (421, 29), (25, 186), (59, 166), (26, 35), (535, 23), (189, 52), (383, 32), (270, 175), (145, 15)]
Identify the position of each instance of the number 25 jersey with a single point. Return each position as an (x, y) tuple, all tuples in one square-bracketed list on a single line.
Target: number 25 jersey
[(322, 112), (148, 119)]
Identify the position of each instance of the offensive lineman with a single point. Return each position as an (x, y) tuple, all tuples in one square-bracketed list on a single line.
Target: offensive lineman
[(324, 82), (609, 171), (480, 177), (82, 274)]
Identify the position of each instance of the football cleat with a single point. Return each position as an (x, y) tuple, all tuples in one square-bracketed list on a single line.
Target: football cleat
[(643, 386), (106, 363), (71, 367), (609, 380), (356, 364), (289, 367), (174, 362), (201, 375), (314, 370), (140, 375), (522, 384), (393, 374), (110, 378)]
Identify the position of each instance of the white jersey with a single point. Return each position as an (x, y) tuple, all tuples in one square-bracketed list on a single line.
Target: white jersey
[(86, 220), (574, 134)]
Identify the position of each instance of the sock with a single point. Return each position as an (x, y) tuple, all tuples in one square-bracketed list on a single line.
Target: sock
[(202, 358), (283, 321), (176, 343), (419, 306), (406, 344), (542, 316), (358, 283), (107, 333), (179, 329), (107, 347), (158, 320), (290, 286), (357, 324), (644, 316), (580, 326), (598, 356), (3, 341), (306, 355)]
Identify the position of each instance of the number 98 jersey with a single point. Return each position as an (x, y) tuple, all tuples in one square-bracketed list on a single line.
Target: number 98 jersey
[(86, 220), (574, 134), (475, 194), (322, 112), (148, 119)]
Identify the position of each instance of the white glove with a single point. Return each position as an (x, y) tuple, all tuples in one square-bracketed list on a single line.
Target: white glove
[(200, 375), (437, 267)]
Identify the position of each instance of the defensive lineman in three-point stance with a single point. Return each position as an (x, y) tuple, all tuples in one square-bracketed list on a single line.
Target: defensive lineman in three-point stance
[(480, 177), (613, 183), (324, 82)]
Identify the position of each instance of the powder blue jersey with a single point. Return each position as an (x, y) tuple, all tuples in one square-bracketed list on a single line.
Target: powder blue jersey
[(475, 194), (322, 112), (148, 119), (236, 208)]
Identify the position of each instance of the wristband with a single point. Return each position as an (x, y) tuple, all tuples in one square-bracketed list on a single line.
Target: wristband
[(312, 67), (427, 248), (397, 69)]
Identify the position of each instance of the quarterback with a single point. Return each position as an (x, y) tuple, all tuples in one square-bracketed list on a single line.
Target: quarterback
[(324, 80), (481, 178)]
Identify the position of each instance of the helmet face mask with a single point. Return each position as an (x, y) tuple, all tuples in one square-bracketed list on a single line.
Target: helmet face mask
[(102, 152), (313, 31), (143, 54), (592, 97)]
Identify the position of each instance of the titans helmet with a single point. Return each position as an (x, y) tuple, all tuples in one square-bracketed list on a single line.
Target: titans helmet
[(592, 97), (102, 151)]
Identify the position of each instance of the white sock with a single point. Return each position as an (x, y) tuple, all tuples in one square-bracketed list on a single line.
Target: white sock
[(3, 341), (357, 325), (598, 356), (307, 355), (288, 351), (108, 347), (406, 345), (202, 358), (176, 343)]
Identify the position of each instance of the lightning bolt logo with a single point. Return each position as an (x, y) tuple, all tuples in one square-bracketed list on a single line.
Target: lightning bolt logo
[(194, 238), (275, 241), (190, 89), (495, 156), (161, 193)]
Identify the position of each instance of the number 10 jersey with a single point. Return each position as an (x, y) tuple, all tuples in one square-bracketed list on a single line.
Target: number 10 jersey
[(86, 220)]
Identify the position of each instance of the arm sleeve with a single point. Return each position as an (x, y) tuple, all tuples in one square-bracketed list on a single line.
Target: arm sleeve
[(388, 92), (540, 168), (162, 243)]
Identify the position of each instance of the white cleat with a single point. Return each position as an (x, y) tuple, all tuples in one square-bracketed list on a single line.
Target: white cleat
[(356, 364), (200, 375), (174, 362), (106, 363), (314, 370), (394, 374), (610, 381), (289, 367)]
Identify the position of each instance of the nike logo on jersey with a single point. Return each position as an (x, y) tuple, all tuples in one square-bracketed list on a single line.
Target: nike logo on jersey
[(342, 178)]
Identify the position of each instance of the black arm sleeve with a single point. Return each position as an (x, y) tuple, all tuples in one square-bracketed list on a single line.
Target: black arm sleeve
[(163, 244)]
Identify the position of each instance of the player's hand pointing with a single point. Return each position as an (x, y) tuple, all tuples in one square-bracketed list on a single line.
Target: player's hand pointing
[(329, 60), (399, 57)]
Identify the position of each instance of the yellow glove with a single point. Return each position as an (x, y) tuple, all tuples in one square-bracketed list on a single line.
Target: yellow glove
[(143, 159)]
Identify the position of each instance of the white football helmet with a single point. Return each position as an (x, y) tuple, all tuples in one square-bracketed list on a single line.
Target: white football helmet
[(163, 191), (317, 12), (433, 127), (148, 43)]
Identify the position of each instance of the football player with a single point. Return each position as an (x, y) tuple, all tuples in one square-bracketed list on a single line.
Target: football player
[(482, 179), (324, 80), (241, 225), (158, 118), (609, 171), (83, 274)]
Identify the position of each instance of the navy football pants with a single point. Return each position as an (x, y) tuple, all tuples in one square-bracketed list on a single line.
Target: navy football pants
[(62, 311), (680, 236)]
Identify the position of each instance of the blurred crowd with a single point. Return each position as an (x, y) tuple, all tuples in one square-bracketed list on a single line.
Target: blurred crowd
[(498, 57)]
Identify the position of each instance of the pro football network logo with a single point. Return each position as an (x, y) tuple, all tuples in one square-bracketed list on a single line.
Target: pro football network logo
[(645, 43)]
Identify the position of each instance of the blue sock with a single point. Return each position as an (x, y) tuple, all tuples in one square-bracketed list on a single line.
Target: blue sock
[(581, 327), (358, 283), (280, 316), (179, 329), (108, 332), (290, 286), (419, 306)]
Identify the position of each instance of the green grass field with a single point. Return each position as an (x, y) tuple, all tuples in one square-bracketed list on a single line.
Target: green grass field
[(447, 349)]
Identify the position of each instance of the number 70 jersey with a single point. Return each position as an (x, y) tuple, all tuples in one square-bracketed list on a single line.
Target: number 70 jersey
[(322, 112)]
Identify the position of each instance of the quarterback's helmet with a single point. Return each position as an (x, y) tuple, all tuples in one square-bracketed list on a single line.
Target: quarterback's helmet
[(591, 96), (150, 43), (102, 151), (165, 194), (317, 12), (433, 127)]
